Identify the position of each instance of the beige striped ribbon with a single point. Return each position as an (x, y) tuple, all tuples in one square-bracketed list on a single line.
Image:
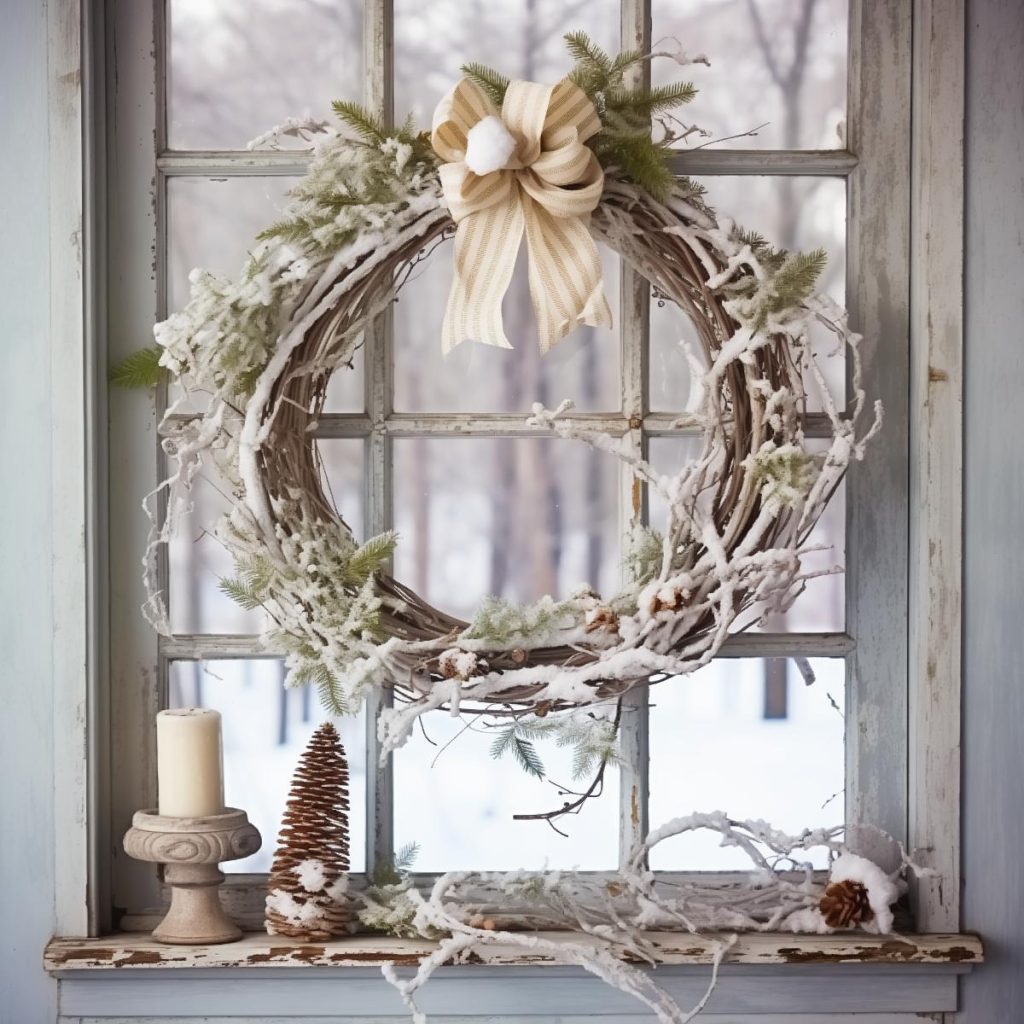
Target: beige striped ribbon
[(548, 188)]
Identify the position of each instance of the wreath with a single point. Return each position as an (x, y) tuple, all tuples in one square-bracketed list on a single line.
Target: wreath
[(564, 165)]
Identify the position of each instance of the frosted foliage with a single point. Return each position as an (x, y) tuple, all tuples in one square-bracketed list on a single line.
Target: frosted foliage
[(613, 925)]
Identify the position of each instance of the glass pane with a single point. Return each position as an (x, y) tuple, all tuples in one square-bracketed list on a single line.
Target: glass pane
[(518, 518), (519, 38), (584, 366), (457, 802), (778, 70), (266, 728), (344, 461), (822, 605), (237, 68), (212, 224), (791, 213), (198, 561), (751, 738)]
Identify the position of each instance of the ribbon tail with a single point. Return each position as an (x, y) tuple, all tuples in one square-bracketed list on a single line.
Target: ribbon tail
[(565, 274), (486, 246)]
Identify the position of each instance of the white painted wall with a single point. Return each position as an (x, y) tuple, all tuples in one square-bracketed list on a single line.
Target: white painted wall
[(26, 515)]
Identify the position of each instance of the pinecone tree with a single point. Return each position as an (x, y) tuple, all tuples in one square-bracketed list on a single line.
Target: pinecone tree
[(307, 895)]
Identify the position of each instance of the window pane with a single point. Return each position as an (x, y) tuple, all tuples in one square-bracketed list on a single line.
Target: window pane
[(266, 728), (344, 462), (457, 802), (236, 68), (751, 738), (212, 224), (198, 561), (777, 66), (822, 605), (519, 38), (791, 213), (518, 518), (584, 366)]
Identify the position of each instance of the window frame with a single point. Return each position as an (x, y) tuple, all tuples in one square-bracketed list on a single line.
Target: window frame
[(879, 580)]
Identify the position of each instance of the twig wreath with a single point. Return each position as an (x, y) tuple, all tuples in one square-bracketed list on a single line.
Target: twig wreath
[(570, 163), (567, 165)]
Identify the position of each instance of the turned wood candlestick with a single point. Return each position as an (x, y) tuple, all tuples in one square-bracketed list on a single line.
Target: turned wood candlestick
[(191, 849)]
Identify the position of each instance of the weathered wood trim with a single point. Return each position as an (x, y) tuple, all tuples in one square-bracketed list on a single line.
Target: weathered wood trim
[(217, 647), (936, 463), (134, 278), (258, 950), (378, 95), (72, 442), (878, 203), (837, 163)]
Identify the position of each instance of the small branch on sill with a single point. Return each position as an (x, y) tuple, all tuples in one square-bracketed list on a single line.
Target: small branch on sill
[(258, 950)]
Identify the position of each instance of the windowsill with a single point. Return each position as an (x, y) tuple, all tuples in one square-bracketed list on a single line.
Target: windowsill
[(260, 951)]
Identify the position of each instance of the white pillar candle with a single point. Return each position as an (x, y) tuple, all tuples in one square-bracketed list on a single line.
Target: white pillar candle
[(189, 763)]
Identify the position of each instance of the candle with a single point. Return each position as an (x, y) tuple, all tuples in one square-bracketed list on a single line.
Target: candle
[(189, 763)]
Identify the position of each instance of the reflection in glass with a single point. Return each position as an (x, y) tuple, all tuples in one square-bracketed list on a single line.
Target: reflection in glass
[(791, 213), (198, 561), (457, 803), (213, 224), (518, 518), (236, 68), (719, 742), (777, 69), (822, 605), (266, 728)]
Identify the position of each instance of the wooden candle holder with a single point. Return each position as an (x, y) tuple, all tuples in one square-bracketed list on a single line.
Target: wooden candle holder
[(191, 849)]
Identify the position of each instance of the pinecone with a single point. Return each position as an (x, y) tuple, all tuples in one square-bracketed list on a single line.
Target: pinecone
[(307, 890), (845, 904)]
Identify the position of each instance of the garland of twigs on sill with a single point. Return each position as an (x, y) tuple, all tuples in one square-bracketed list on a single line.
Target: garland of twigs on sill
[(613, 925)]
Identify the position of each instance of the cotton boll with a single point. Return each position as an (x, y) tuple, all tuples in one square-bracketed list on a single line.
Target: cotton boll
[(489, 145)]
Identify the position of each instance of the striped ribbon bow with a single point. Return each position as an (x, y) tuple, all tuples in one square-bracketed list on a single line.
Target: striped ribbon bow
[(525, 168)]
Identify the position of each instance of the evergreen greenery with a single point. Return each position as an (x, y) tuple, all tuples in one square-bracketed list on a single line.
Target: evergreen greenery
[(493, 83), (141, 369)]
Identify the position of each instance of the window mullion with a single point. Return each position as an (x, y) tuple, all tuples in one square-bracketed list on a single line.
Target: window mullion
[(635, 33), (378, 95)]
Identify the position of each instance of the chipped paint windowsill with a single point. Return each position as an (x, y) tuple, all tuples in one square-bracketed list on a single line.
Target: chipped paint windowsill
[(258, 950), (267, 979)]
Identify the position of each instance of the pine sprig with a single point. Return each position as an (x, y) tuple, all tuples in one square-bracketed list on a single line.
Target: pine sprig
[(141, 369), (366, 560), (512, 739), (368, 127), (493, 83), (792, 283)]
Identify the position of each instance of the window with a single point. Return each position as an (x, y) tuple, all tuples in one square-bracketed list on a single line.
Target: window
[(802, 144)]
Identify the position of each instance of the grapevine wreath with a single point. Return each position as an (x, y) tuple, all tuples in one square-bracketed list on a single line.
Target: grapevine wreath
[(567, 166)]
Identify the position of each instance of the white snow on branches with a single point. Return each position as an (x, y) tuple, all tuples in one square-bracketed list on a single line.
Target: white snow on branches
[(612, 926)]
